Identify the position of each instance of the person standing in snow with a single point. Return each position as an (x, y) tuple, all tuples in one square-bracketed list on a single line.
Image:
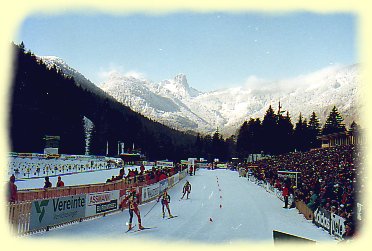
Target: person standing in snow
[(186, 189), (190, 171), (165, 200), (285, 194), (133, 202)]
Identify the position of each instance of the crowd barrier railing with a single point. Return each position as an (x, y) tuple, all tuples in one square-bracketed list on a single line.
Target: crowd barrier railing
[(20, 212), (303, 209)]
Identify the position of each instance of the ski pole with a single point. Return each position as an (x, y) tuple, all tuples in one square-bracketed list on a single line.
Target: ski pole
[(151, 209)]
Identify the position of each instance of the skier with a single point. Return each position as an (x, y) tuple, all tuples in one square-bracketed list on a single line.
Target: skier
[(165, 200), (133, 201), (186, 189)]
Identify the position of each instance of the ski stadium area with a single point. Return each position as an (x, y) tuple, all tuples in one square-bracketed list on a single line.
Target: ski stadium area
[(222, 208), (228, 203)]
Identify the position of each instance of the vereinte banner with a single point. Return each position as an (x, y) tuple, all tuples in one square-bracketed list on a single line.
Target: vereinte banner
[(55, 211)]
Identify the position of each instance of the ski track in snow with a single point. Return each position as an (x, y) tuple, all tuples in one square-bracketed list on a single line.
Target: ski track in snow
[(210, 196), (248, 213)]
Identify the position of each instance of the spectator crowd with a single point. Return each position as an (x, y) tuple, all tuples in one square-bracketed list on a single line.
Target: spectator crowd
[(149, 176), (331, 178)]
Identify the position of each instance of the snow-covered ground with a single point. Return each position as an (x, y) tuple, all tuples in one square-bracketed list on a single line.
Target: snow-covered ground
[(95, 177), (222, 209)]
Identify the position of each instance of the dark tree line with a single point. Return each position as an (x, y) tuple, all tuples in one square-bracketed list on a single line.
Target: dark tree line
[(275, 134), (46, 102), (213, 147)]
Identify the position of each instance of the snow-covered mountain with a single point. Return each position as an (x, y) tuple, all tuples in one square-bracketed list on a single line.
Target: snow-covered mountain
[(174, 103), (60, 64)]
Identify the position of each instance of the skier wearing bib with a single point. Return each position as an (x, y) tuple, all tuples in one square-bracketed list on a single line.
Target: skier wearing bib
[(133, 201), (165, 200), (186, 189)]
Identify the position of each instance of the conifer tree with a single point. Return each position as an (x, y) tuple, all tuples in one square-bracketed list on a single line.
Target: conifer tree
[(299, 133), (242, 140), (285, 133), (333, 123), (314, 131), (354, 127), (269, 131)]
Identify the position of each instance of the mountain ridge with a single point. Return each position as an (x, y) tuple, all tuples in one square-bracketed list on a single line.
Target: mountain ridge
[(174, 103)]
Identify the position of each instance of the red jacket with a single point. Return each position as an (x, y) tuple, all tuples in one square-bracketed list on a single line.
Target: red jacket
[(131, 200), (285, 191), (163, 177), (60, 183)]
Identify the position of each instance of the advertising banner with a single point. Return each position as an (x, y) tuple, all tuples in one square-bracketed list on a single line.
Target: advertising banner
[(337, 225), (182, 174), (171, 181), (359, 211), (164, 163), (176, 178), (150, 192), (221, 165), (97, 203), (322, 218), (289, 174), (163, 185), (202, 164), (56, 211)]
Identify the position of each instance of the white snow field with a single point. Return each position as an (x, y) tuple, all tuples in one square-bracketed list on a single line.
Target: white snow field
[(223, 208), (83, 178)]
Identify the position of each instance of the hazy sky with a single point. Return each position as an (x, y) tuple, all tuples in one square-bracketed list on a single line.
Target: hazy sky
[(215, 50)]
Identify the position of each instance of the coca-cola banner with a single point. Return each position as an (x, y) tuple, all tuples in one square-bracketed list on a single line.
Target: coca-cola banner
[(337, 226)]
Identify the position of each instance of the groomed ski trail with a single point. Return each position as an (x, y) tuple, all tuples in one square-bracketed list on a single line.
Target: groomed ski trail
[(230, 210)]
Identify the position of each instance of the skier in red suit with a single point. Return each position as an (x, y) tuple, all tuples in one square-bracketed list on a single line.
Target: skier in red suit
[(186, 189), (133, 202), (165, 200)]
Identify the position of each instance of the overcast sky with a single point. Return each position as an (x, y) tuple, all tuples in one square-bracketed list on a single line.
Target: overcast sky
[(214, 50)]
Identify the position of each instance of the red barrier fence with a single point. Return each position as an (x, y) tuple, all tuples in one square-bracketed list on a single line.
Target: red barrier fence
[(20, 212), (42, 193)]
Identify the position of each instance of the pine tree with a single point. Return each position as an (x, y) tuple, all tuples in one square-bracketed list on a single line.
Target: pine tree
[(269, 131), (198, 146), (285, 133), (333, 123), (354, 127), (314, 131), (242, 140), (299, 134), (216, 145)]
